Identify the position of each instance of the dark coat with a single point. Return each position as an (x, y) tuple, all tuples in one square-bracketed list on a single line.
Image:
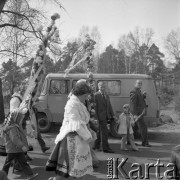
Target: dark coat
[(103, 107), (137, 102), (13, 133)]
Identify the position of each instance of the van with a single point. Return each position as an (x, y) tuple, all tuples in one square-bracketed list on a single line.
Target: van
[(56, 88)]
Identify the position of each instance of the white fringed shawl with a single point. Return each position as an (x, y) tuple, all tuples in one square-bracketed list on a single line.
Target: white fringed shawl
[(76, 118)]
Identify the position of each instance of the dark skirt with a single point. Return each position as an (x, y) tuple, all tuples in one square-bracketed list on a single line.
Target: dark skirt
[(58, 160)]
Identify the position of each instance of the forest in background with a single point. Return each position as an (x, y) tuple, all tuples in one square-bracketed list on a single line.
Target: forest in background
[(135, 53)]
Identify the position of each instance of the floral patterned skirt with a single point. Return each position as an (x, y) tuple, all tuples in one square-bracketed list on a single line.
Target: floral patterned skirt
[(71, 157)]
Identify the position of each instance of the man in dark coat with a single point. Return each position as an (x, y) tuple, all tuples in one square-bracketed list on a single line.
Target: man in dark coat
[(104, 112), (138, 109)]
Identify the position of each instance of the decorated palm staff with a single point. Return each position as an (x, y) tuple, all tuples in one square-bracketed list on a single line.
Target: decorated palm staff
[(38, 68), (91, 103), (84, 53)]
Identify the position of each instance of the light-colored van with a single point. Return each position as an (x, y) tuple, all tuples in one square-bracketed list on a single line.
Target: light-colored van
[(50, 104)]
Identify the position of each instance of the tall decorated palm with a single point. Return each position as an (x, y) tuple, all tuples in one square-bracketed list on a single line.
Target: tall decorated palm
[(38, 68), (83, 54)]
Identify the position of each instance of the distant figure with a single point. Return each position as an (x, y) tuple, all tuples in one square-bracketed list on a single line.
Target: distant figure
[(126, 121), (138, 109), (104, 112), (14, 104), (16, 142), (54, 88)]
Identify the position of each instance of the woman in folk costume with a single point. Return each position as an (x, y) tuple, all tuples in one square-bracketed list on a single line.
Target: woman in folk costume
[(95, 160), (71, 156), (16, 142)]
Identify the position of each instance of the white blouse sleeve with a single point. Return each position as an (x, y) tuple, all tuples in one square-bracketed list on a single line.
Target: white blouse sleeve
[(83, 132), (73, 117), (76, 122), (73, 122)]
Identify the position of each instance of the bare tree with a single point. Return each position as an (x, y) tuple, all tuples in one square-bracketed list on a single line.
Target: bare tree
[(139, 37), (126, 45), (3, 3), (96, 36), (132, 44), (18, 24), (172, 44), (18, 34)]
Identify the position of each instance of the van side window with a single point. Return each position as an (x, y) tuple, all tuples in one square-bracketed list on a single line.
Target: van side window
[(59, 86), (74, 83), (44, 87), (93, 85), (113, 87)]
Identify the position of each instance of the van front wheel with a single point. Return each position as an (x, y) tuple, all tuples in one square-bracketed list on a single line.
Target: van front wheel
[(43, 123)]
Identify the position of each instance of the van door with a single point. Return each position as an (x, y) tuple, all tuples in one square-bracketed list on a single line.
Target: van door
[(58, 93)]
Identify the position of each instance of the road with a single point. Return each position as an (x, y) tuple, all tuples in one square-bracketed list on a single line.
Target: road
[(161, 140)]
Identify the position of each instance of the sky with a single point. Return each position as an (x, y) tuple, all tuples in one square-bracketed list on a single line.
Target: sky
[(115, 17)]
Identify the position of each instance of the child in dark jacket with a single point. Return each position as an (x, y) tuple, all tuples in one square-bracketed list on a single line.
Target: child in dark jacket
[(16, 142)]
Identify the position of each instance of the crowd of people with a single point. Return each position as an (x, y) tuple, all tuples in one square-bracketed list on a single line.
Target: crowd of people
[(73, 155)]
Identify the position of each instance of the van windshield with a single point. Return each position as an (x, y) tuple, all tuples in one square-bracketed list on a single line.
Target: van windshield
[(59, 86), (113, 87), (92, 84)]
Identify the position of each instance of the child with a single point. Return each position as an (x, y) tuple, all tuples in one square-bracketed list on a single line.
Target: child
[(16, 142), (126, 121)]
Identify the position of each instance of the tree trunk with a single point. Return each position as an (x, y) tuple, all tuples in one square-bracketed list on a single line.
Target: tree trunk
[(126, 64), (2, 115), (2, 3)]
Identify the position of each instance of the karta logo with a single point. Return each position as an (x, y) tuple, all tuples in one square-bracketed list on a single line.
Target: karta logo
[(140, 171)]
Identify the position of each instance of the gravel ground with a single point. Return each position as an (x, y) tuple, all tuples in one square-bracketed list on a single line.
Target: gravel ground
[(162, 139)]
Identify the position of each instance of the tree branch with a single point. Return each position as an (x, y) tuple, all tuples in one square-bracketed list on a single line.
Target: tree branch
[(5, 50), (14, 25), (34, 31)]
